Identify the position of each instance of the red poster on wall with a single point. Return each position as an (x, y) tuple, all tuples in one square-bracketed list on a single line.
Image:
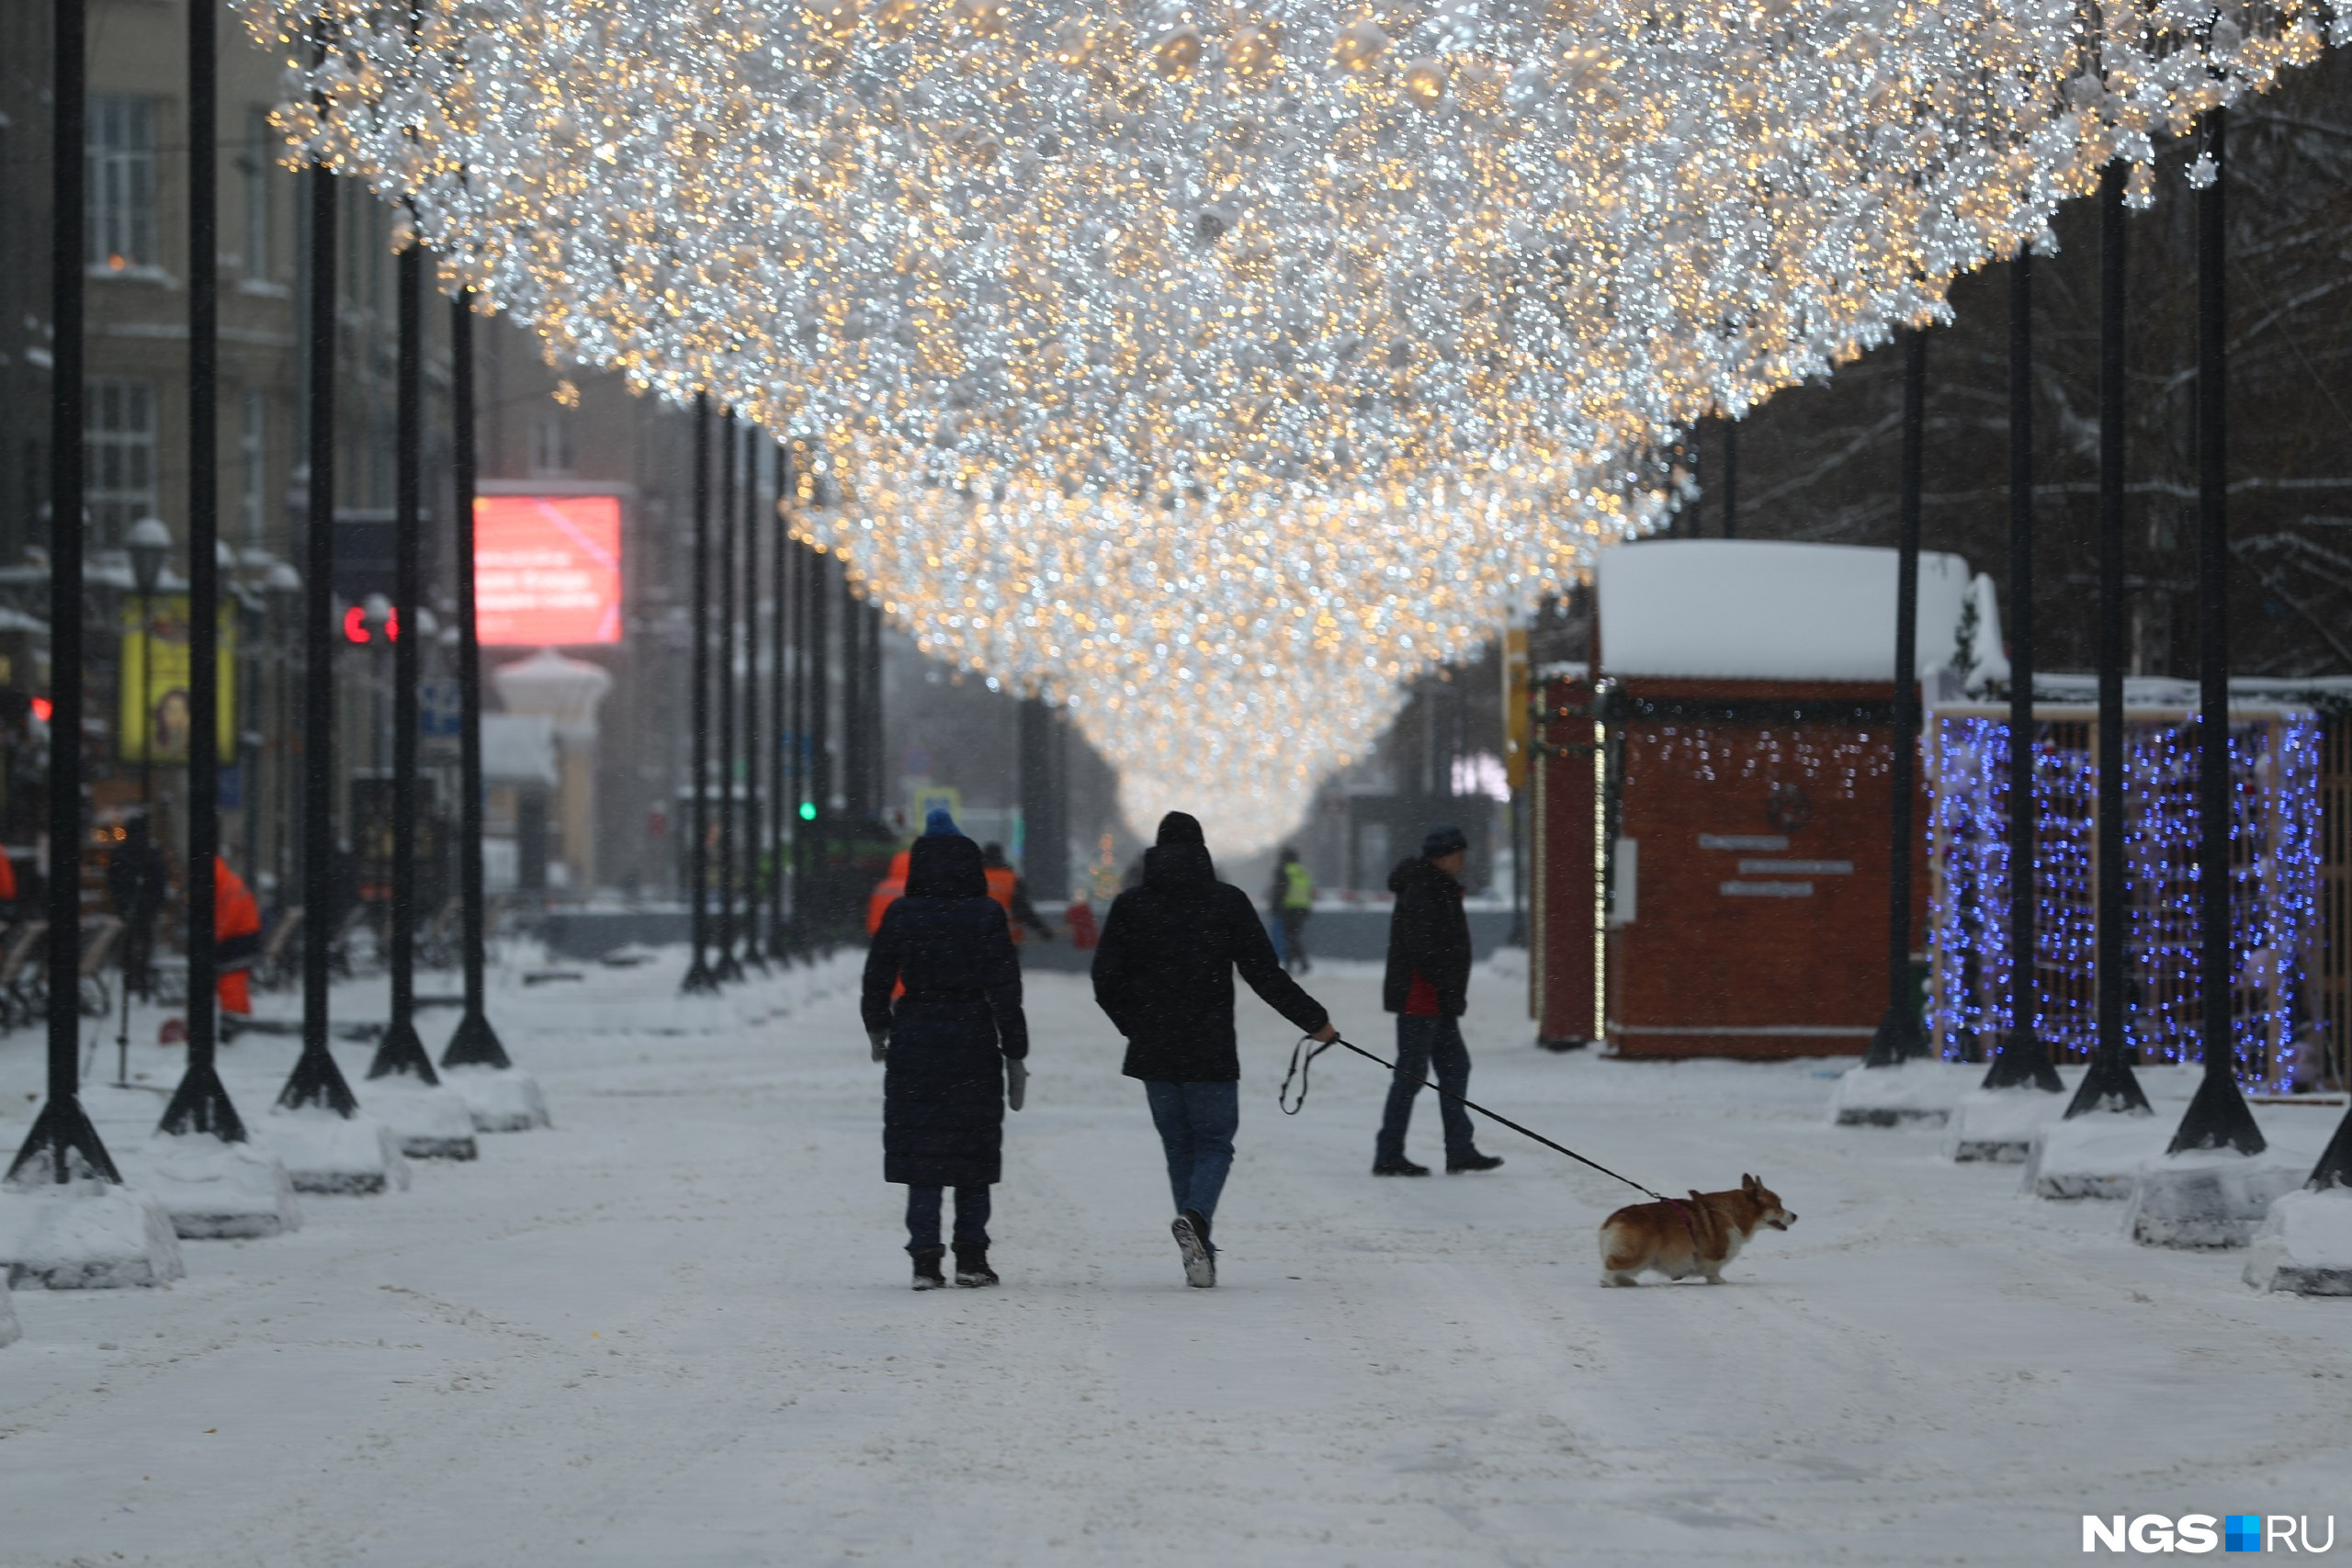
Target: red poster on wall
[(547, 570)]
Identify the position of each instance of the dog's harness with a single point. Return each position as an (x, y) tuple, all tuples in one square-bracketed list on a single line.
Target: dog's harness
[(1680, 1207), (1299, 1069)]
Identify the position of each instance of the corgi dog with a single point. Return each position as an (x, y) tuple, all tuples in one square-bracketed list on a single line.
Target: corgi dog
[(1694, 1235)]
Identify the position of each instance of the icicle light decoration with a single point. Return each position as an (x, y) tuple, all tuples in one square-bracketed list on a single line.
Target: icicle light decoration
[(1313, 272)]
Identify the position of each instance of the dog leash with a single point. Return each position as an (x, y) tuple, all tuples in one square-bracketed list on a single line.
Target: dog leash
[(1301, 1068)]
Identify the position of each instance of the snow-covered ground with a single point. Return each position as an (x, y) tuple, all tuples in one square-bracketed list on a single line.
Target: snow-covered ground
[(674, 1330)]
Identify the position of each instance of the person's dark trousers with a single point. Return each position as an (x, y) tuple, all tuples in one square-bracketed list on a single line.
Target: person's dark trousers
[(1295, 940), (1196, 1122), (971, 1216), (1423, 1044)]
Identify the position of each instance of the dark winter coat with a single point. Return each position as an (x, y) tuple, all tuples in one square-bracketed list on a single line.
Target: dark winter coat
[(1163, 969), (1429, 935), (943, 1084)]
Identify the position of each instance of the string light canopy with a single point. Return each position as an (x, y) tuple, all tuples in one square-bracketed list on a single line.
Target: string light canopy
[(1392, 277)]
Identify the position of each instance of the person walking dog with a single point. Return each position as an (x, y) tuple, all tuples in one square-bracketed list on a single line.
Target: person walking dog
[(1427, 987), (1163, 973), (954, 1046)]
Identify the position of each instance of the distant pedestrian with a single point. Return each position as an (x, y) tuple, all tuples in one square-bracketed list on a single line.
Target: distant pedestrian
[(1006, 887), (136, 877), (236, 938), (1428, 987), (1293, 899), (954, 1045), (1163, 971)]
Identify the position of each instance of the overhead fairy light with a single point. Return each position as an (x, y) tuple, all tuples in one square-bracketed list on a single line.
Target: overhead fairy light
[(1404, 275)]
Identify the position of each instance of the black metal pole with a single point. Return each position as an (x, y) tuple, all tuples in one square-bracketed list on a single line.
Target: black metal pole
[(1729, 484), (756, 862), (1899, 1037), (2110, 1084), (2218, 1114), (316, 1080), (62, 1132), (796, 570), (779, 767), (821, 761), (2024, 1056), (401, 1050), (876, 805), (200, 1104), (475, 1043), (730, 573), (698, 973)]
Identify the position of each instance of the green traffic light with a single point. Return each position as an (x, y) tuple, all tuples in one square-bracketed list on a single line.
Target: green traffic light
[(808, 811)]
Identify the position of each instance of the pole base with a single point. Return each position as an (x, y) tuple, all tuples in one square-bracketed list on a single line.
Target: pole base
[(63, 1136), (2335, 1167), (2024, 1061), (2218, 1118), (700, 980), (400, 1052), (201, 1105), (2111, 1085), (316, 1080), (1899, 1038), (475, 1045), (725, 972)]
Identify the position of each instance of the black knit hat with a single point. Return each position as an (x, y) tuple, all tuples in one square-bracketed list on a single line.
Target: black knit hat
[(1180, 827), (1444, 841)]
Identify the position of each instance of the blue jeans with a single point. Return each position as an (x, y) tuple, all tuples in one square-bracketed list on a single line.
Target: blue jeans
[(1423, 1044), (1196, 1122), (971, 1216)]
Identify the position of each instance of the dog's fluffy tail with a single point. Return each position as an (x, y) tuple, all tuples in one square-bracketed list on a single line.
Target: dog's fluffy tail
[(1619, 1253)]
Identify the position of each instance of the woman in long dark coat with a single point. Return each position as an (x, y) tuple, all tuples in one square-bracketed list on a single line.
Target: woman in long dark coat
[(954, 1042)]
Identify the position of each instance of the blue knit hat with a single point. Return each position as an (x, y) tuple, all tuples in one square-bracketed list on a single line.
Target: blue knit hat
[(936, 820)]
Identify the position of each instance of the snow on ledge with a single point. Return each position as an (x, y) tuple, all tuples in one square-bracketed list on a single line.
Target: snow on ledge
[(1768, 610), (86, 1234), (2304, 1245)]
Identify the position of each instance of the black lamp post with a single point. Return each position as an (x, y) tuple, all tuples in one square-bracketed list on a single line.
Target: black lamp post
[(699, 976), (401, 1050), (2218, 1115), (781, 801), (201, 1103), (754, 778), (2110, 1084), (1899, 1037), (316, 1080), (62, 1134)]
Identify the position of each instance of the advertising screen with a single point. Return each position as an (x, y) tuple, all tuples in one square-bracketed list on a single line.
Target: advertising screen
[(547, 570)]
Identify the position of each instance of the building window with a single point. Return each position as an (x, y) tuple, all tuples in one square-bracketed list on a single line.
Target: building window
[(252, 451), (122, 175), (261, 252), (551, 449), (118, 444)]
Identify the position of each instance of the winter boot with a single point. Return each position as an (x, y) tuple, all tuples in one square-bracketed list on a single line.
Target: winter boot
[(1192, 1234), (1474, 1160), (927, 1274), (1398, 1167), (972, 1265)]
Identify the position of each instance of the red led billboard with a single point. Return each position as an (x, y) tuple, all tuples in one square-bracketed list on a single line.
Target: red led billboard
[(547, 570)]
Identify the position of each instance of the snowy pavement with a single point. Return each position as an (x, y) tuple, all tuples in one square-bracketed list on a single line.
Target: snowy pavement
[(674, 1330)]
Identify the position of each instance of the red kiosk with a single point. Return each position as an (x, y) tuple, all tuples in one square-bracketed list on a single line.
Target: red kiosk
[(1712, 809)]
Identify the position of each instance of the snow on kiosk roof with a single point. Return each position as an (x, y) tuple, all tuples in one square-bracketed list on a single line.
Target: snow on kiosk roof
[(1767, 610)]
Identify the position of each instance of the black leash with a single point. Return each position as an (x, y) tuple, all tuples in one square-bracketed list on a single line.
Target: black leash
[(1300, 1070)]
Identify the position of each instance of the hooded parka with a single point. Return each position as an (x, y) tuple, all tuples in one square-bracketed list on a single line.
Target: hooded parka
[(943, 1087)]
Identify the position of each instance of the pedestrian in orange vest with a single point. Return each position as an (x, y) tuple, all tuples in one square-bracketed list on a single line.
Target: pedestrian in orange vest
[(1007, 888), (236, 937)]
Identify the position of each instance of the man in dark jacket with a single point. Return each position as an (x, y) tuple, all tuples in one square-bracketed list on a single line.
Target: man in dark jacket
[(1163, 971), (1427, 987)]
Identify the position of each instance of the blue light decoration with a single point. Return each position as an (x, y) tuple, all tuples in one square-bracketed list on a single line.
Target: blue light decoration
[(2274, 897)]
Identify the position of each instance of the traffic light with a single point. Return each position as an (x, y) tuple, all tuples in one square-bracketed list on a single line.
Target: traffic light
[(808, 811)]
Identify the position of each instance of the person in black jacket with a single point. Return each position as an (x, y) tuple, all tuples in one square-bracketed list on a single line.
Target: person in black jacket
[(955, 1043), (1427, 987), (1163, 971)]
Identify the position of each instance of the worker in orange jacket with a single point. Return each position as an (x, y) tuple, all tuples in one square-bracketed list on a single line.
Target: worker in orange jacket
[(1007, 888), (236, 937)]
